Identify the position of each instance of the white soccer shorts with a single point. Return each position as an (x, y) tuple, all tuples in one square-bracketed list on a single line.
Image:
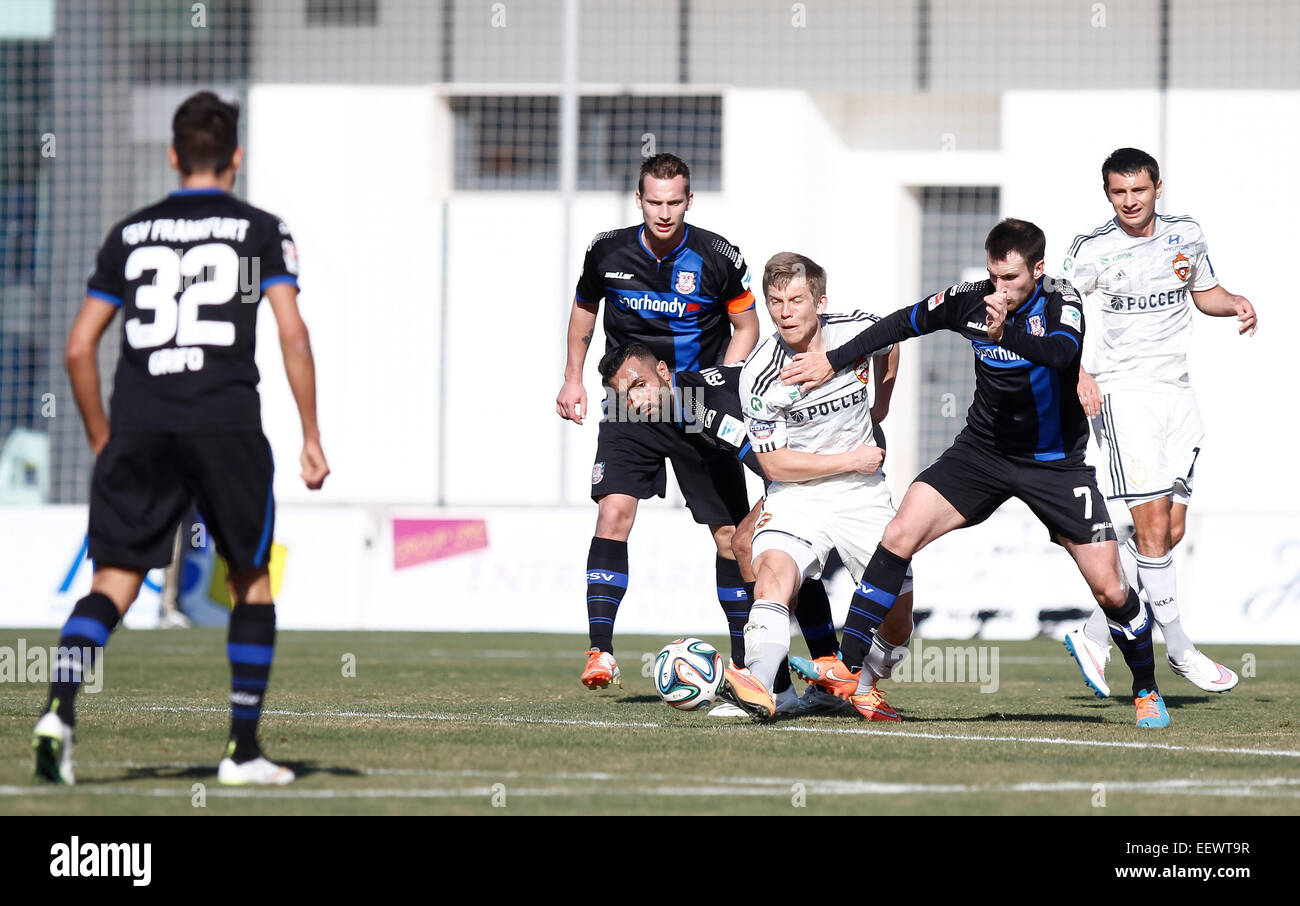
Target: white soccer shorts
[(807, 526), (1150, 440)]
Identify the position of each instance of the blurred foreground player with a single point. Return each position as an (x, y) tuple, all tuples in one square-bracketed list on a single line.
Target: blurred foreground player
[(186, 418), (679, 290), (1025, 437)]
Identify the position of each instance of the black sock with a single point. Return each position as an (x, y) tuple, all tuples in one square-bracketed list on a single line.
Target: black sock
[(735, 595), (782, 681), (881, 582), (815, 622), (606, 585), (87, 628), (250, 646), (1138, 652)]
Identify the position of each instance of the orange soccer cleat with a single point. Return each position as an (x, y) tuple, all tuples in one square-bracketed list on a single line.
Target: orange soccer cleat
[(828, 673), (601, 670), (872, 706)]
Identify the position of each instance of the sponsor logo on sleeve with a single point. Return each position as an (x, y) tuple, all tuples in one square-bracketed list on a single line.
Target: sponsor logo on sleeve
[(731, 431), (755, 404), (290, 256), (760, 430), (935, 301), (1068, 265), (1071, 317)]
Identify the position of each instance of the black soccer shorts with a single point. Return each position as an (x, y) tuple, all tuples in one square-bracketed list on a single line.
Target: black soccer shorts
[(630, 459), (145, 480), (1063, 495)]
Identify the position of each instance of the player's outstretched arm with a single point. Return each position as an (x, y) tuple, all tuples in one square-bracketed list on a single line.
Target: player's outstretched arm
[(812, 369), (80, 358), (1219, 303), (784, 464), (300, 369), (572, 401)]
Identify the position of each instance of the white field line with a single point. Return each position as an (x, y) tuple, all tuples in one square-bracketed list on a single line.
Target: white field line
[(750, 727), (1272, 787)]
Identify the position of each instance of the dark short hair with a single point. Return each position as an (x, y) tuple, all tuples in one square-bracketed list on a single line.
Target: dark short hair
[(663, 166), (783, 267), (1129, 162), (205, 133), (613, 360), (1018, 236)]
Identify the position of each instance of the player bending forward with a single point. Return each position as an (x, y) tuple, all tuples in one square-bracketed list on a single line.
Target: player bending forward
[(187, 424), (1024, 438), (826, 491), (1137, 272)]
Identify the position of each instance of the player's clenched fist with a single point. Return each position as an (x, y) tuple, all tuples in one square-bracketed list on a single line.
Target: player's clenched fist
[(807, 370), (314, 466), (868, 459), (995, 314), (572, 401)]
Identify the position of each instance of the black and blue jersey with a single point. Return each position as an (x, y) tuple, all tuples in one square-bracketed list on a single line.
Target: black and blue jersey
[(183, 271), (679, 306), (710, 400), (1025, 404)]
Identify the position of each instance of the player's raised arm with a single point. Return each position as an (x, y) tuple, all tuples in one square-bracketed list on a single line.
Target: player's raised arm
[(572, 401), (80, 358), (1219, 303), (1063, 335), (300, 369)]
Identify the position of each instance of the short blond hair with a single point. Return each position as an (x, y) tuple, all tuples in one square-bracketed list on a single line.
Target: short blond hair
[(783, 267)]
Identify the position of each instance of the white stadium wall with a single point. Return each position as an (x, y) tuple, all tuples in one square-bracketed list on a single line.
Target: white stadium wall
[(512, 569), (462, 429)]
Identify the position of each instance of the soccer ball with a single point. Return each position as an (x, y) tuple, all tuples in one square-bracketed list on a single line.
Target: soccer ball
[(688, 673)]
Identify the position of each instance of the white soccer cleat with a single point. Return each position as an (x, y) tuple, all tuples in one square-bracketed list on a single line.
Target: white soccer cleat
[(52, 741), (816, 700), (787, 702), (727, 709), (1092, 660), (1204, 673), (258, 772)]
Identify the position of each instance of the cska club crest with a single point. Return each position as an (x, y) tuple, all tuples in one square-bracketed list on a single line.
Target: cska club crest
[(685, 282), (1182, 267), (1036, 325), (862, 370)]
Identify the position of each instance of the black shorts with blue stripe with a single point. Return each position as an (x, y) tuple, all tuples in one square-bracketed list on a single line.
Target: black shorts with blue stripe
[(145, 481)]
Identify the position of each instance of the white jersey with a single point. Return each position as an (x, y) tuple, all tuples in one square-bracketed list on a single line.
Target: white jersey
[(1138, 300), (833, 418)]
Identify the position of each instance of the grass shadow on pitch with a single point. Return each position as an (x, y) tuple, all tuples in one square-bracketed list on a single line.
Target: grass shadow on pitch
[(999, 717), (300, 769), (639, 699)]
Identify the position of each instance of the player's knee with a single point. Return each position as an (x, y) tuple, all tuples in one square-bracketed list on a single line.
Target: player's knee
[(1177, 529), (742, 547), (1112, 594), (614, 519), (723, 537), (900, 539)]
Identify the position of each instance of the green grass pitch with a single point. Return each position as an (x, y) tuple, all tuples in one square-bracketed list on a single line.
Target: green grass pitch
[(436, 723)]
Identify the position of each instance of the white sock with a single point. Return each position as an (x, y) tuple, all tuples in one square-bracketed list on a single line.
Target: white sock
[(1128, 554), (767, 639), (880, 662), (1161, 584), (1097, 629)]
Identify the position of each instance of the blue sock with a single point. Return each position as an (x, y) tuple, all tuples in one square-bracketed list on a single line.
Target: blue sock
[(87, 628), (1135, 643), (815, 622), (735, 595), (882, 580), (606, 585), (250, 646)]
